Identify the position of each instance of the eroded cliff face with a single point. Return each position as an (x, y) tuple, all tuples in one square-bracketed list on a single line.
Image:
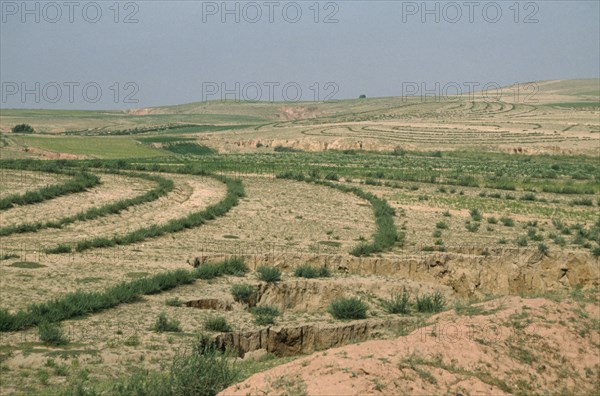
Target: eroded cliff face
[(307, 338), (468, 274), (457, 276)]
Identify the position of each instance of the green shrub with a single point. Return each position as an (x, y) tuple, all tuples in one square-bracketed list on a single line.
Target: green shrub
[(534, 236), (362, 249), (583, 202), (217, 323), (441, 225), (348, 308), (163, 324), (507, 222), (283, 149), (559, 240), (472, 227), (436, 233), (492, 220), (268, 274), (475, 214), (522, 240), (173, 302), (189, 148), (542, 248), (22, 128), (265, 315), (59, 249), (528, 197), (332, 176), (243, 293), (232, 266), (398, 304), (308, 271), (430, 302), (52, 334), (209, 271)]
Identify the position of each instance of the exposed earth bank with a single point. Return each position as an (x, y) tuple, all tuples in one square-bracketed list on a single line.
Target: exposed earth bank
[(505, 346)]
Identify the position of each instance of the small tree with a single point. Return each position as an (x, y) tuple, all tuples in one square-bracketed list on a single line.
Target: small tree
[(362, 97), (23, 128)]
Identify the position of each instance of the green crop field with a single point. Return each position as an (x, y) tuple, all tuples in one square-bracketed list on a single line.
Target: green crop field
[(95, 147)]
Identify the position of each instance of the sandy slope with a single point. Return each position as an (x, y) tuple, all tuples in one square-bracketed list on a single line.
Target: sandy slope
[(509, 346)]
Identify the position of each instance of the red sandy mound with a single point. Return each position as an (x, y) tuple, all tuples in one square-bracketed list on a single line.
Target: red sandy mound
[(506, 346)]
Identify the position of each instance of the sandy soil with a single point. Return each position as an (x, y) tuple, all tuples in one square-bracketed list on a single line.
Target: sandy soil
[(112, 188), (513, 345)]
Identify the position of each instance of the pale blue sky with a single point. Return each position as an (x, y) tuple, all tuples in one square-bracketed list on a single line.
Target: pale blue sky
[(170, 52)]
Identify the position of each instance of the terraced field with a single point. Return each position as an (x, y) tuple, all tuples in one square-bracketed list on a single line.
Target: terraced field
[(356, 221)]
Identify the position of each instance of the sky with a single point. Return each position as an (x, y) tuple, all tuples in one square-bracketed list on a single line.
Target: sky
[(132, 54)]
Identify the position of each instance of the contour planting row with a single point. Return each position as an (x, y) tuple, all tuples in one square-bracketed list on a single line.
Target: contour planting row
[(235, 190), (80, 303), (80, 182), (163, 188), (385, 234), (441, 136), (19, 182), (555, 174)]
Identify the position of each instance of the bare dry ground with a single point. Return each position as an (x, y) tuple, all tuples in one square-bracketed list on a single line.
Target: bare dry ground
[(506, 346)]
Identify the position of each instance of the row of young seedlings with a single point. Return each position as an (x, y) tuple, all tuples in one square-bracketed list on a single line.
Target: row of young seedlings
[(235, 191), (80, 181), (164, 186), (386, 234), (80, 303)]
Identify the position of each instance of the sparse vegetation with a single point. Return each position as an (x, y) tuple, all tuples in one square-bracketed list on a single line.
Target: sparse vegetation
[(52, 334), (407, 206), (430, 303), (348, 308), (308, 271), (217, 323), (268, 274), (243, 293), (398, 303), (235, 191), (265, 315), (164, 324)]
